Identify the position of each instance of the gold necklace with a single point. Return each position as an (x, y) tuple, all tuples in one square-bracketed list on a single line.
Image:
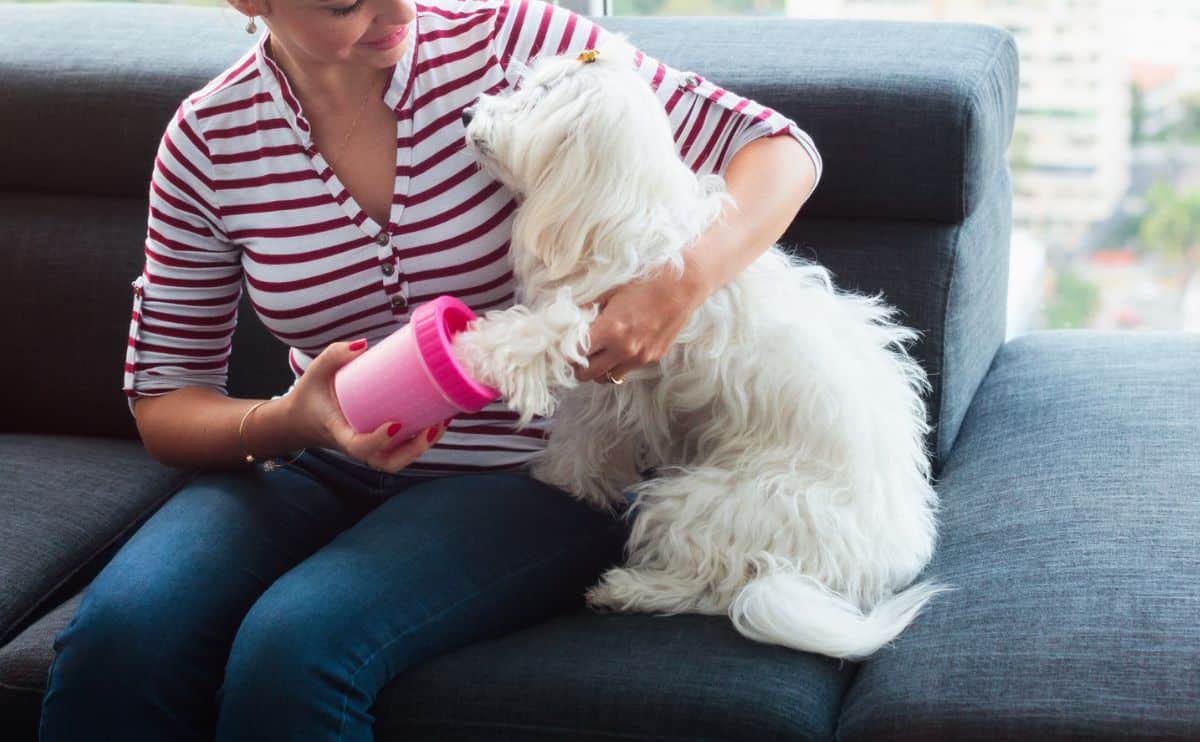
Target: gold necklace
[(361, 107)]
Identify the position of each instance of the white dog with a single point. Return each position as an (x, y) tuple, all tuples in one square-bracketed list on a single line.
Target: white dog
[(786, 424)]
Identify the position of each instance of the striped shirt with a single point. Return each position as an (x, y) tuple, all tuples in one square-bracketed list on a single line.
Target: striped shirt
[(241, 199)]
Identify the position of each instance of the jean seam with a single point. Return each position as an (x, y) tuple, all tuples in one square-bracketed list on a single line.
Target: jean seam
[(439, 614)]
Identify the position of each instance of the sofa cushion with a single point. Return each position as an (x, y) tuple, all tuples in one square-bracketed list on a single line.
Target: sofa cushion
[(69, 502), (580, 676), (1071, 529), (69, 261), (589, 676), (25, 667)]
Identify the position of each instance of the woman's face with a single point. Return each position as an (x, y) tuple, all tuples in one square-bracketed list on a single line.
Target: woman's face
[(337, 31)]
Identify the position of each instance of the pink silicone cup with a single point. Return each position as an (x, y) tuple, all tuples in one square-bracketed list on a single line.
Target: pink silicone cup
[(412, 376), (435, 323)]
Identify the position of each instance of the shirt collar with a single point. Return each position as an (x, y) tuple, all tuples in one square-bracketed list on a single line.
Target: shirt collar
[(280, 89)]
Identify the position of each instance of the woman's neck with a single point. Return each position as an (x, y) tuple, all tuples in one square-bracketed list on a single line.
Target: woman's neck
[(326, 88)]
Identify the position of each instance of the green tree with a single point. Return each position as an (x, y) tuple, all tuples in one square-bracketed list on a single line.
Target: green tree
[(1171, 226), (1074, 303), (1018, 153)]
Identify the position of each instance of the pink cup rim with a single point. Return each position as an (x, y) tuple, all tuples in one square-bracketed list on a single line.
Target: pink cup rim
[(430, 323)]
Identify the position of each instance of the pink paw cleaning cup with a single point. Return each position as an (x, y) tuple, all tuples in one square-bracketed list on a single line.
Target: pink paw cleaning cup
[(412, 377)]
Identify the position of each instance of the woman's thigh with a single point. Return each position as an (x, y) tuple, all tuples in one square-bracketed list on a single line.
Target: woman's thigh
[(445, 562), (146, 648)]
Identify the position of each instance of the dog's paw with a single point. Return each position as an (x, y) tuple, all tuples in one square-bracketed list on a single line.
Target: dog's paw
[(649, 591), (470, 349), (600, 598), (528, 400)]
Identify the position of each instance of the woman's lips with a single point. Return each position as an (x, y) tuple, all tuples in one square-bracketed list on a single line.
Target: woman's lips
[(387, 42)]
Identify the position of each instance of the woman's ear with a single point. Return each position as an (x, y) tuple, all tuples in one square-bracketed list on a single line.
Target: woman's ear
[(250, 7)]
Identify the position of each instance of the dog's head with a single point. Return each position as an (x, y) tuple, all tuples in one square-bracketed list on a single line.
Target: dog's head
[(586, 147), (562, 112)]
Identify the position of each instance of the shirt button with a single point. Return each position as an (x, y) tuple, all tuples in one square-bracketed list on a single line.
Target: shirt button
[(399, 302), (383, 238), (691, 80), (388, 269)]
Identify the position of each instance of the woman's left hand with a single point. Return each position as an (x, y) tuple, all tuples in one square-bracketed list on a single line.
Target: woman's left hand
[(639, 321)]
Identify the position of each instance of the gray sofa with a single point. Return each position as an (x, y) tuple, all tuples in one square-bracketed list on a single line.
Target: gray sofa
[(1068, 462)]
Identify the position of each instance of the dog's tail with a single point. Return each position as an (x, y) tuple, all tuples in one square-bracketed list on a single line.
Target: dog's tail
[(792, 609)]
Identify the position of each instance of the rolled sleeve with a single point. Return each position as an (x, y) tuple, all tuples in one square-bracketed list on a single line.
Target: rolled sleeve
[(185, 300)]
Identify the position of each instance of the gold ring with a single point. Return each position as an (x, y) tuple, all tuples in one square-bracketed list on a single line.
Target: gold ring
[(613, 379)]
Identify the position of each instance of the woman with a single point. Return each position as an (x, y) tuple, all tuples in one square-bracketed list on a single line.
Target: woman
[(325, 171)]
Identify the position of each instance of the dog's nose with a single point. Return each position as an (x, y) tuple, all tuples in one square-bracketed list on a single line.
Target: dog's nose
[(467, 114)]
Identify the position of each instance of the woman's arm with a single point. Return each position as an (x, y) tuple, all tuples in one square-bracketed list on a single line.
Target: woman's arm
[(184, 315), (198, 427), (770, 178)]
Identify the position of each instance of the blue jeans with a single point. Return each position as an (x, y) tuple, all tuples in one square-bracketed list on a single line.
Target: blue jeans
[(274, 605)]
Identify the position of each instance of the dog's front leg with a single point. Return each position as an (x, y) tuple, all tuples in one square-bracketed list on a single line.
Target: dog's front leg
[(526, 353)]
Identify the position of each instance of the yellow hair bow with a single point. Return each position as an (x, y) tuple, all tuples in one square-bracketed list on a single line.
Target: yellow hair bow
[(587, 55)]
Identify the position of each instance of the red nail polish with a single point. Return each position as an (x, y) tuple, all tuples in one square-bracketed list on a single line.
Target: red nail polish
[(393, 428), (358, 344), (431, 434)]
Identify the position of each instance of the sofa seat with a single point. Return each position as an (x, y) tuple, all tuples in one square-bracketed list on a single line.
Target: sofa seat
[(25, 666), (69, 503), (581, 676), (588, 676), (1071, 530)]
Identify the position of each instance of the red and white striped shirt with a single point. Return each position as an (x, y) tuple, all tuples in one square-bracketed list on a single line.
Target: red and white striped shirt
[(241, 198)]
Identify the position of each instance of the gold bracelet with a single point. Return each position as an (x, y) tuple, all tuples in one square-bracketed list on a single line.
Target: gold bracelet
[(242, 430), (269, 465)]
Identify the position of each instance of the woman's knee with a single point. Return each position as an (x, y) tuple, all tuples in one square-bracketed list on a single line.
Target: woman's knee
[(182, 583), (290, 650), (119, 641)]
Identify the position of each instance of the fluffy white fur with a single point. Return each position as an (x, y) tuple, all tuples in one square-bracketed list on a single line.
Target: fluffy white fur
[(786, 424)]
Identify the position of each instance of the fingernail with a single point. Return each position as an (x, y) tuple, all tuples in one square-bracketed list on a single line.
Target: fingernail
[(393, 428), (431, 434), (358, 344)]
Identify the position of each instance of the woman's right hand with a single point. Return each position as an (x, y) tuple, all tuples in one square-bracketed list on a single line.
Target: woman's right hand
[(318, 419)]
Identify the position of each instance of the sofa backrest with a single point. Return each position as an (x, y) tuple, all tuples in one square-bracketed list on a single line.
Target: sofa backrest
[(912, 120)]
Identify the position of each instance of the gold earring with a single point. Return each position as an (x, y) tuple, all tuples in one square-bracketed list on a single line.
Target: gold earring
[(250, 27)]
